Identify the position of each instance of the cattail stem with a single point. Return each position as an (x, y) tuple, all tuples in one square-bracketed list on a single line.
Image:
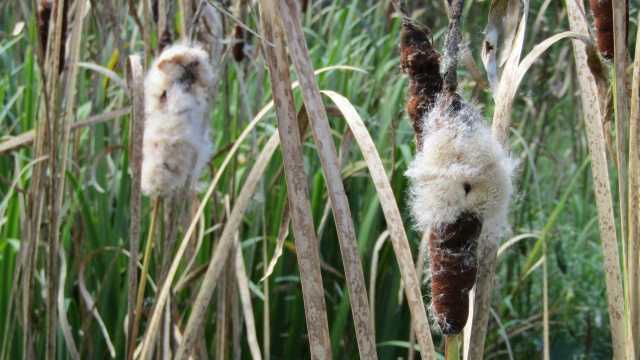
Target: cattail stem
[(143, 276), (194, 22), (452, 46), (452, 347)]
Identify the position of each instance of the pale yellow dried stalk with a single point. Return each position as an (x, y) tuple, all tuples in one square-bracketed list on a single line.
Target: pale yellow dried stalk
[(633, 248), (395, 225), (288, 12), (136, 87), (593, 116)]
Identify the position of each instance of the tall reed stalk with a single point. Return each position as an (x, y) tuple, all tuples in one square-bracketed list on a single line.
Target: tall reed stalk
[(594, 115), (71, 125)]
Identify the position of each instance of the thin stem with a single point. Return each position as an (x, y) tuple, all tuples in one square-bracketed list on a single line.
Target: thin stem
[(239, 22), (452, 45), (452, 347), (146, 35), (194, 23), (143, 277)]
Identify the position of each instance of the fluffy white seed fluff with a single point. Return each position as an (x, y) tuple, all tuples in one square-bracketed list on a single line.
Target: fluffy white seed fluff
[(461, 167), (177, 142)]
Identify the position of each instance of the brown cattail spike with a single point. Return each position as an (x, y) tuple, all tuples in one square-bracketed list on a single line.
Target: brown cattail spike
[(165, 39), (452, 249), (421, 62), (45, 25), (238, 46), (603, 19), (44, 15), (602, 12), (155, 10)]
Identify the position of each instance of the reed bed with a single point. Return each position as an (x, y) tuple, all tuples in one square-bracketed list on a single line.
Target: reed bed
[(297, 240)]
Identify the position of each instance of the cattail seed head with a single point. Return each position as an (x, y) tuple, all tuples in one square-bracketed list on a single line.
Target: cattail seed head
[(602, 12), (238, 49), (43, 17), (603, 21), (460, 191), (46, 23), (421, 62), (460, 168), (460, 179), (177, 141)]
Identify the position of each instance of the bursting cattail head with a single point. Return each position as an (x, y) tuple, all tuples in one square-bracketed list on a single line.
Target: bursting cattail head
[(460, 191), (461, 168), (461, 176), (176, 138), (181, 68)]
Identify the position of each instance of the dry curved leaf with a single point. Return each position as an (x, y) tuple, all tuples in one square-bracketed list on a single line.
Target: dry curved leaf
[(91, 305), (26, 138), (14, 185), (104, 72), (288, 13), (373, 273), (221, 252), (539, 49), (514, 240), (502, 96), (72, 348), (283, 232), (499, 37), (395, 225), (245, 299)]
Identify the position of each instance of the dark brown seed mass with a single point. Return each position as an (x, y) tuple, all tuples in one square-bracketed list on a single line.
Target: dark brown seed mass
[(603, 21), (45, 10), (454, 264), (602, 12), (238, 47), (165, 39), (421, 62)]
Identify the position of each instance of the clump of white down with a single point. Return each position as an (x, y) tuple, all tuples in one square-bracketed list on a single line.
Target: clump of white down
[(177, 142), (460, 168)]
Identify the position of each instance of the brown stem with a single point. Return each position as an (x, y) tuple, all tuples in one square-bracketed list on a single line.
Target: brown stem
[(452, 47), (143, 278)]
